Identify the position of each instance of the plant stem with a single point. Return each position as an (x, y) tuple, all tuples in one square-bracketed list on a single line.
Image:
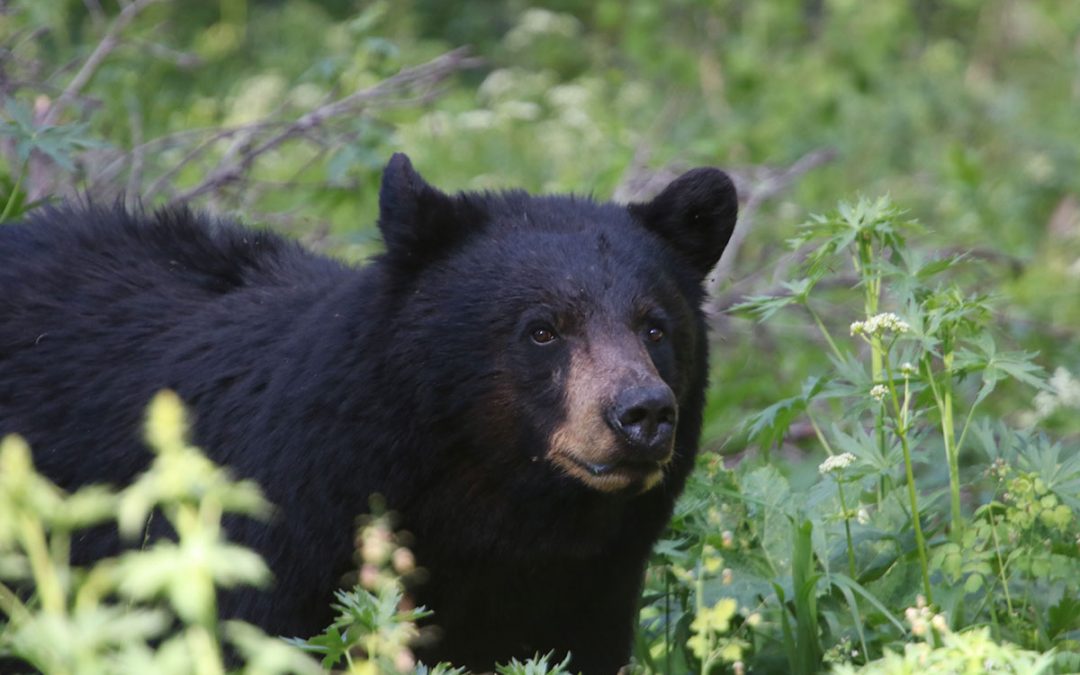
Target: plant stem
[(847, 530), (46, 580), (824, 332), (667, 617), (14, 191), (872, 297), (863, 261), (948, 427), (820, 436), (943, 397), (840, 491), (699, 607), (1001, 562), (12, 606), (901, 432)]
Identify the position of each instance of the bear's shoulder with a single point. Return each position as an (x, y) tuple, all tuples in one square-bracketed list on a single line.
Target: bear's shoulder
[(172, 246)]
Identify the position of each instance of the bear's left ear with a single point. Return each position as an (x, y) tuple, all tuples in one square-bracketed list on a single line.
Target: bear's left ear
[(696, 214), (418, 222)]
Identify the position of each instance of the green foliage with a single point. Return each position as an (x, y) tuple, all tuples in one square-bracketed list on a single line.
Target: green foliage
[(375, 625), (968, 653), (826, 564), (59, 143), (538, 665), (118, 615)]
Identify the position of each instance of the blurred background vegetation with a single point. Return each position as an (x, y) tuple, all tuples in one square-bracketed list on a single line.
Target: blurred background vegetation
[(964, 111), (283, 112)]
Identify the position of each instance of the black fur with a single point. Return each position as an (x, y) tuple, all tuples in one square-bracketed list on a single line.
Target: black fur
[(410, 377)]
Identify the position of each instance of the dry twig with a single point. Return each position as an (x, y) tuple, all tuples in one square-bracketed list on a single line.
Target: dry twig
[(242, 155), (90, 66), (766, 185)]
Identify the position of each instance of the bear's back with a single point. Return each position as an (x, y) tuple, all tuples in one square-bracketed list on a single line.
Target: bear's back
[(69, 250), (100, 308)]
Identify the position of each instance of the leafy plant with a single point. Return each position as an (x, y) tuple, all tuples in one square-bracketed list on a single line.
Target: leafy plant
[(826, 571), (57, 142), (148, 610)]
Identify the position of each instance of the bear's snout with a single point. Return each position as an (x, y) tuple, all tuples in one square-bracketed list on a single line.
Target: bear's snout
[(644, 419)]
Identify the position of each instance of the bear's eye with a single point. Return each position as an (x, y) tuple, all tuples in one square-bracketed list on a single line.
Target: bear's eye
[(655, 334), (543, 335)]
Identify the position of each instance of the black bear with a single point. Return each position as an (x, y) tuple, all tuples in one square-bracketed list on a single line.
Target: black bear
[(521, 377)]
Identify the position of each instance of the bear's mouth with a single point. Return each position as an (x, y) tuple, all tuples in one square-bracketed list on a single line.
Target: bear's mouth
[(615, 476)]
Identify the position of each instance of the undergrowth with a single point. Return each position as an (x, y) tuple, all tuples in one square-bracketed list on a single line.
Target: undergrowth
[(920, 505)]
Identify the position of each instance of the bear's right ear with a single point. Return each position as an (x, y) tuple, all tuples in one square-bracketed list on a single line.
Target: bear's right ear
[(418, 222), (696, 214)]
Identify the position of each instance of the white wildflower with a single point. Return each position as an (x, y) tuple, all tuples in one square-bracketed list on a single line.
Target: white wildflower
[(836, 463), (518, 110), (862, 516), (476, 120), (498, 84), (1066, 387), (878, 391), (939, 623), (1064, 392), (879, 324), (569, 96), (907, 369)]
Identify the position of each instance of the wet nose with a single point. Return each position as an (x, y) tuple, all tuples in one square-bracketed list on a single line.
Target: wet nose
[(645, 417)]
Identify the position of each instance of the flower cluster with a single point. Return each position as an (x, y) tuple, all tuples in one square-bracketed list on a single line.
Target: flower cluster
[(836, 463), (879, 324), (921, 619), (878, 391), (1064, 392)]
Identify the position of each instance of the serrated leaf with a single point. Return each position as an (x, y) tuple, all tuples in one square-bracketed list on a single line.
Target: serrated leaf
[(769, 426)]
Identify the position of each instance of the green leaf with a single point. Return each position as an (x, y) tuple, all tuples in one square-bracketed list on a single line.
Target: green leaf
[(537, 665), (804, 581), (762, 307), (769, 426), (842, 580)]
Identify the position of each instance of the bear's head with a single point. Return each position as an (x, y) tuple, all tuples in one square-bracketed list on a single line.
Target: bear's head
[(556, 334)]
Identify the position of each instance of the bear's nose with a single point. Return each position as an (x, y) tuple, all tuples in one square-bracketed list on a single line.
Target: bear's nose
[(645, 417)]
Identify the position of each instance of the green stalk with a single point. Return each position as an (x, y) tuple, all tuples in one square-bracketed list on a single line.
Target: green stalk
[(825, 332), (46, 580), (699, 607), (820, 436), (14, 191), (871, 303), (901, 432), (667, 617), (967, 423), (948, 429), (943, 398), (840, 491), (12, 606), (204, 647), (847, 530), (1001, 562), (872, 299)]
